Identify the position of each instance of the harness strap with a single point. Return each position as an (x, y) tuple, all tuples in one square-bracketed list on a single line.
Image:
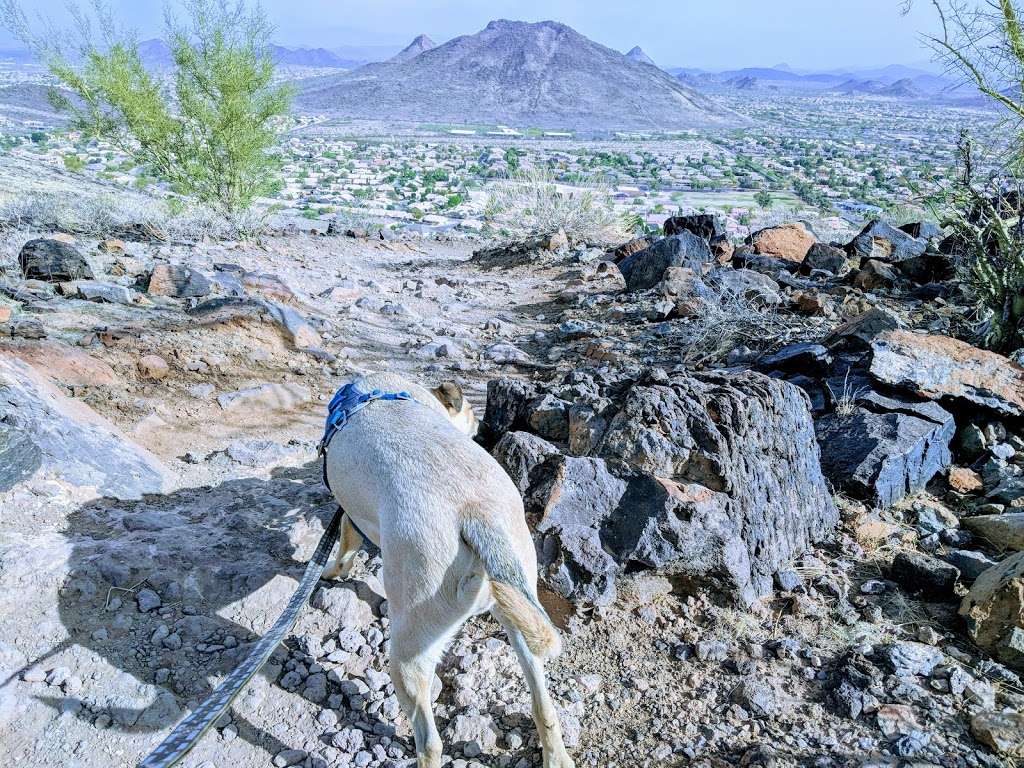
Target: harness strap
[(190, 730), (348, 401)]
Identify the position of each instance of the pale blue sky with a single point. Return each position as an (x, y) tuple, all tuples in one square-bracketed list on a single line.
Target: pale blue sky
[(713, 34)]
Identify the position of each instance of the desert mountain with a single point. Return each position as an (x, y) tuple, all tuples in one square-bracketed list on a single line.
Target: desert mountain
[(544, 74), (156, 54), (638, 54), (415, 48)]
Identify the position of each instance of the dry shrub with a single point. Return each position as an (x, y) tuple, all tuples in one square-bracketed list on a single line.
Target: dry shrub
[(530, 203)]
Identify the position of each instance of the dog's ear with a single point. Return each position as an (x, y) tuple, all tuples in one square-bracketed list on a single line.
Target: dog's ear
[(450, 395)]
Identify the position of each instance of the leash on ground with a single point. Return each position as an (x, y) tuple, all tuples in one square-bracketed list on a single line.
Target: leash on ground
[(190, 730)]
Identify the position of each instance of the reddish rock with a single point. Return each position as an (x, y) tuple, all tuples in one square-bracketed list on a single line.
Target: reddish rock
[(964, 480), (627, 249), (789, 242), (939, 367)]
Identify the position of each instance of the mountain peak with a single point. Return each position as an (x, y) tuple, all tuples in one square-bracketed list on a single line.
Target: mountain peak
[(420, 44), (637, 54), (543, 75)]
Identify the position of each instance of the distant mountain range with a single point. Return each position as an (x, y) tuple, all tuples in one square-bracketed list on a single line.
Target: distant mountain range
[(156, 53), (894, 81), (545, 75)]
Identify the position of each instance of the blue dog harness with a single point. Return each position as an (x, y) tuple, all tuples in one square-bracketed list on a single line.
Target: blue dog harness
[(346, 402)]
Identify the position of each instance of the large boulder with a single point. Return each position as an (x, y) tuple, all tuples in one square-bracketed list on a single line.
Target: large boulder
[(994, 611), (705, 225), (713, 478), (883, 242), (939, 367), (595, 518), (42, 431), (646, 268), (882, 456), (1003, 532), (789, 242), (53, 260)]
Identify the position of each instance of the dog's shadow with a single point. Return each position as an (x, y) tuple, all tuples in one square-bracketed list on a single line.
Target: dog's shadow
[(218, 558)]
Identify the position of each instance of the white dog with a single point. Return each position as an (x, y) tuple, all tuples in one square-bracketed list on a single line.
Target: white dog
[(450, 526)]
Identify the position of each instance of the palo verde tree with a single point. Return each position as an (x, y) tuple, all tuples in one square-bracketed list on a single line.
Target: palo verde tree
[(210, 131)]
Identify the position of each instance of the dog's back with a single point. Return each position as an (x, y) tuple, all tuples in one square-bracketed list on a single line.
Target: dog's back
[(449, 522), (442, 510)]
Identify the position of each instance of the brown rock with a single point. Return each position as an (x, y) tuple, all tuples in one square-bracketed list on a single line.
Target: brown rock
[(111, 246), (875, 275), (5, 313), (1003, 732), (964, 480), (940, 367), (153, 367), (556, 241), (994, 610), (723, 251), (790, 242), (627, 249)]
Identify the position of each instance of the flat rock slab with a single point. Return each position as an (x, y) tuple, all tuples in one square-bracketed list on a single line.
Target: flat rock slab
[(44, 431), (938, 367)]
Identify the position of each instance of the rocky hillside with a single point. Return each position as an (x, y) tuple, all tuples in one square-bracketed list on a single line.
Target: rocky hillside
[(543, 74), (772, 486)]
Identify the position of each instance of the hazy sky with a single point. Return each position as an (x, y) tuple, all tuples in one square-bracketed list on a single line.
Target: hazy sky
[(711, 34)]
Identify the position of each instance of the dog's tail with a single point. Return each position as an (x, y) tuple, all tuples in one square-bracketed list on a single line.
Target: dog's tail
[(511, 591)]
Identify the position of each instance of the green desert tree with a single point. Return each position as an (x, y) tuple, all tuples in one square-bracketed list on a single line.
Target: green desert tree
[(984, 207), (211, 131)]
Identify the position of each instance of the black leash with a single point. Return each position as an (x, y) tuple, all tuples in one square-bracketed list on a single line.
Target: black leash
[(190, 730)]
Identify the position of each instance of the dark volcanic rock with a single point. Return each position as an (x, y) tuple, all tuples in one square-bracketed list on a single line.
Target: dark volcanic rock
[(924, 574), (704, 225), (881, 457), (713, 478), (883, 242), (519, 453), (645, 269), (53, 260), (825, 258), (596, 519)]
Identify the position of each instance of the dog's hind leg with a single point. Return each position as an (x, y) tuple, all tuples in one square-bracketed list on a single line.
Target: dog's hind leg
[(544, 714), (412, 672), (350, 543)]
